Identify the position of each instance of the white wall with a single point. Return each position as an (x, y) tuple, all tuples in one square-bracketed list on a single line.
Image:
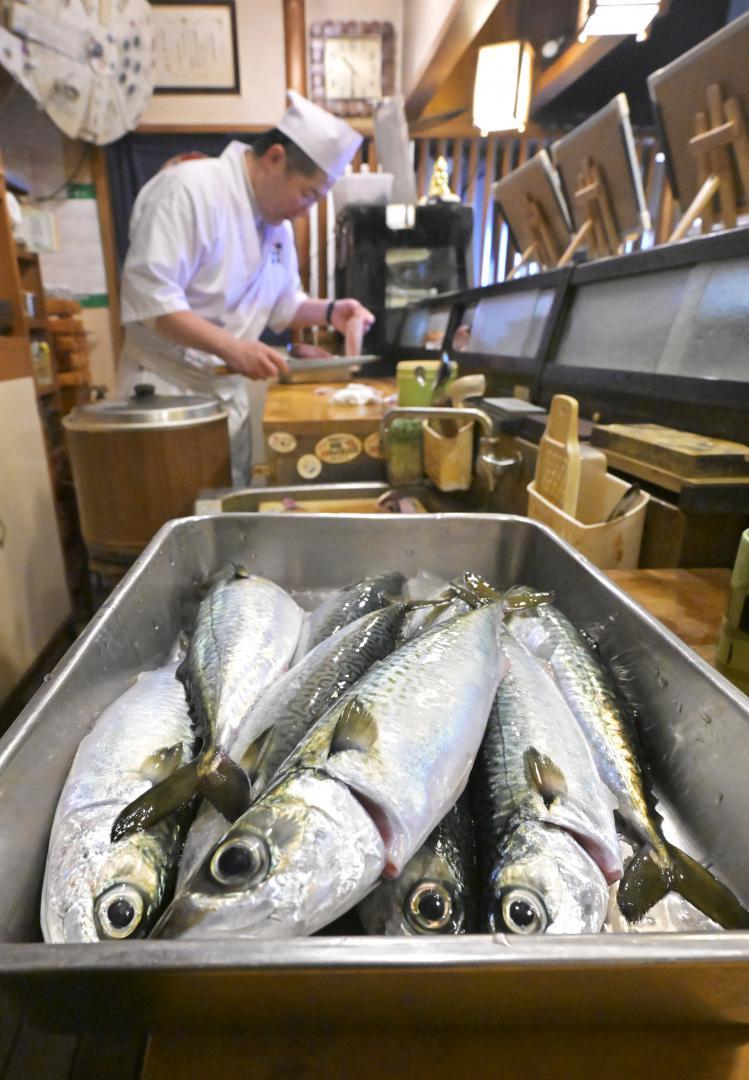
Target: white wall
[(262, 77), (423, 26)]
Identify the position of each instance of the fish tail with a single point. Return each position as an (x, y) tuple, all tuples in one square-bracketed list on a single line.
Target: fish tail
[(650, 875), (213, 775), (475, 591)]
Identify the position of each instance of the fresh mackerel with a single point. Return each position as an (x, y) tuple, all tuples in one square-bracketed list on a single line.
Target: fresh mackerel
[(539, 805), (96, 889), (592, 696), (243, 638), (357, 797)]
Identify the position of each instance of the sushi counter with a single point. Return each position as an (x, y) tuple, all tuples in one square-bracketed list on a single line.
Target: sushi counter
[(310, 438)]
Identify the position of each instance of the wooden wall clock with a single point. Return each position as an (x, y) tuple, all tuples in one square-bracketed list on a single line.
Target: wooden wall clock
[(351, 64)]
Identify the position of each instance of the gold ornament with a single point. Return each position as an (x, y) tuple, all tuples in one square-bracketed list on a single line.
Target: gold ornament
[(439, 185)]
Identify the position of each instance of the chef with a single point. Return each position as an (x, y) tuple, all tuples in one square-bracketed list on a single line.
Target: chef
[(212, 263)]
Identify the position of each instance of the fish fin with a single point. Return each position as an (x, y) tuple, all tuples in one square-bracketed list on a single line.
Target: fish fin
[(648, 878), (163, 762), (225, 784), (544, 775), (476, 591), (251, 757), (355, 729), (521, 597), (710, 896), (158, 802)]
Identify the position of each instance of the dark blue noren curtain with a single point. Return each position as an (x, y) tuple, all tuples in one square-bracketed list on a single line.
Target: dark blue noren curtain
[(134, 159)]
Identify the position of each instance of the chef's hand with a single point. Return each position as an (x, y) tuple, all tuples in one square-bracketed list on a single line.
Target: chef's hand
[(254, 359), (346, 310), (302, 351)]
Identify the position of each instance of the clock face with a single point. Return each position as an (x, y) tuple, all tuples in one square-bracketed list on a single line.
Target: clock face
[(353, 67)]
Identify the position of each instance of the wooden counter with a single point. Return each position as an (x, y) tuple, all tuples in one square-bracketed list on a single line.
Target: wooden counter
[(305, 407), (691, 603), (309, 439)]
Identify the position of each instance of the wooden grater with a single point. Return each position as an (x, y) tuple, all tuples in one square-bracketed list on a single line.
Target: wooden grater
[(558, 464)]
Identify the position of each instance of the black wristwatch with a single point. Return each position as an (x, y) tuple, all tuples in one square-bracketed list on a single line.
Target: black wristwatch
[(329, 314)]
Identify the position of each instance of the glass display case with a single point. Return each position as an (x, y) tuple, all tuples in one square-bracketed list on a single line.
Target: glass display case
[(659, 335), (389, 268)]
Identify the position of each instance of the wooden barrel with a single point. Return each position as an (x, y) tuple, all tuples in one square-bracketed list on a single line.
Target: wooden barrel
[(138, 463)]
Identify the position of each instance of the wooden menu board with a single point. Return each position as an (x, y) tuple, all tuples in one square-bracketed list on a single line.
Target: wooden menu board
[(537, 180), (679, 92), (607, 139)]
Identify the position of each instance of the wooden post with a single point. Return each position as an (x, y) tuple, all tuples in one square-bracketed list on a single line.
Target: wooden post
[(106, 228)]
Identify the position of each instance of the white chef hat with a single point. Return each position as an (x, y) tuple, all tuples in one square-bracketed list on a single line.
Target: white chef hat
[(331, 143)]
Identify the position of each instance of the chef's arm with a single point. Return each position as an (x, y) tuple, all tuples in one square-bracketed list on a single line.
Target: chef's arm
[(314, 313), (251, 358), (348, 316)]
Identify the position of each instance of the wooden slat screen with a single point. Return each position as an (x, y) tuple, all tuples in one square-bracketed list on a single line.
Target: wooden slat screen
[(474, 164)]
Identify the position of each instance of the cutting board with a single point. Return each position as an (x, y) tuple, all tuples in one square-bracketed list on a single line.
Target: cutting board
[(331, 506), (684, 454)]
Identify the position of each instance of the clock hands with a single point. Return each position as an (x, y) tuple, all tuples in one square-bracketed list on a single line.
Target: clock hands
[(354, 73)]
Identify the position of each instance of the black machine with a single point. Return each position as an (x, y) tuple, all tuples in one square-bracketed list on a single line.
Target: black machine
[(388, 268)]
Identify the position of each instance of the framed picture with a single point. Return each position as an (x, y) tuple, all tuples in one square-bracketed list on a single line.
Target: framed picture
[(195, 47)]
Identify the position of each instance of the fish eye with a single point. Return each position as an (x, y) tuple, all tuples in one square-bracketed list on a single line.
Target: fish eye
[(119, 911), (240, 863), (522, 911), (429, 907)]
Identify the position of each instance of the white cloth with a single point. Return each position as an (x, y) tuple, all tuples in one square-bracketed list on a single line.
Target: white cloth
[(331, 143), (356, 394), (195, 244)]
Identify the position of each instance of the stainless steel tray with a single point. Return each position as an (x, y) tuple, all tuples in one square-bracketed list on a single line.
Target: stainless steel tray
[(696, 729)]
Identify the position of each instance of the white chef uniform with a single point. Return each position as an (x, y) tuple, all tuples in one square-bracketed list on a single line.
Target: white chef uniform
[(198, 244)]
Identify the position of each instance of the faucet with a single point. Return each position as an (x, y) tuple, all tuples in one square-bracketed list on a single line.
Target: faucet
[(488, 464)]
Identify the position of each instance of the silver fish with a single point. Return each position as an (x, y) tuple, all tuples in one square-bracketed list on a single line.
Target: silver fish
[(593, 698), (378, 771), (346, 605), (244, 636), (435, 892), (301, 697), (94, 889), (535, 769), (306, 851), (289, 709), (545, 882)]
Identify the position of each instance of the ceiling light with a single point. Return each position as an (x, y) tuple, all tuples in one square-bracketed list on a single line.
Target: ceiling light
[(502, 91), (600, 18)]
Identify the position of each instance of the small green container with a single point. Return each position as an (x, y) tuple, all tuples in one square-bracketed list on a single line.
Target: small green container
[(403, 452), (416, 380)]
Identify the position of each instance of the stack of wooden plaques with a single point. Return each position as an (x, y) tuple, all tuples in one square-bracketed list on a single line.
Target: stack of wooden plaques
[(699, 491), (673, 459), (71, 350)]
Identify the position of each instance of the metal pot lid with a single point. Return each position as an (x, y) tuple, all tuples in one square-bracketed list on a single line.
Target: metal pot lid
[(146, 408)]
